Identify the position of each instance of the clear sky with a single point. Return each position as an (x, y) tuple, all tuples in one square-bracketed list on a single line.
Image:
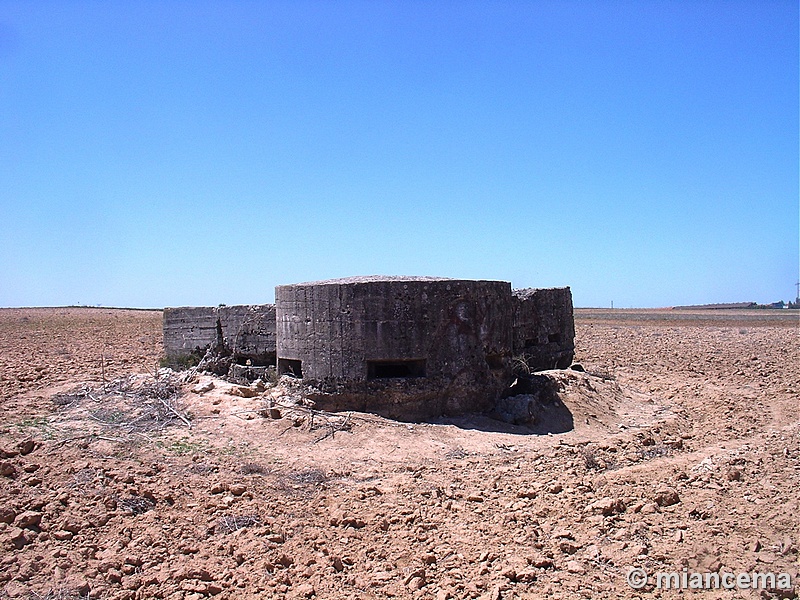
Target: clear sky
[(186, 152)]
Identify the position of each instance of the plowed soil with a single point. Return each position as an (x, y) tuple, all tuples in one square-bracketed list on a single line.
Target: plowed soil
[(120, 480)]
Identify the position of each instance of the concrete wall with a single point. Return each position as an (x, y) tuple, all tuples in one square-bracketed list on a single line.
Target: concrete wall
[(249, 332), (403, 347), (243, 332), (188, 330), (544, 327)]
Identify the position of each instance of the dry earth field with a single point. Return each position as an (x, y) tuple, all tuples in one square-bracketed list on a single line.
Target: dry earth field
[(685, 454)]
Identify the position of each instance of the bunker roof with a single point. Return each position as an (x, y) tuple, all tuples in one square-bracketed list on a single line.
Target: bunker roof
[(390, 279)]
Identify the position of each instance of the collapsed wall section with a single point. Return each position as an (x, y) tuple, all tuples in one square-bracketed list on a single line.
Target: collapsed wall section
[(544, 328), (404, 347), (240, 332)]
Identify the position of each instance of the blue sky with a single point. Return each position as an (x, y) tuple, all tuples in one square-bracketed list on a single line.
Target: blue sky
[(171, 153)]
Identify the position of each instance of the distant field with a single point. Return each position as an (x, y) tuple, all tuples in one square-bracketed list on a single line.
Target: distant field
[(727, 317)]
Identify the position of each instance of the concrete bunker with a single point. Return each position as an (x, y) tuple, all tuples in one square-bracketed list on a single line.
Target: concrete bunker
[(408, 348), (404, 347)]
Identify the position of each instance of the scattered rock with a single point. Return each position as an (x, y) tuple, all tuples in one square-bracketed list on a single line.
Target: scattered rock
[(563, 533), (734, 475), (202, 388), (237, 489), (72, 525), (18, 537), (573, 566), (648, 508), (7, 515), (305, 590), (28, 519), (540, 561), (7, 469), (667, 497), (568, 547), (509, 573), (26, 446), (607, 506), (243, 391)]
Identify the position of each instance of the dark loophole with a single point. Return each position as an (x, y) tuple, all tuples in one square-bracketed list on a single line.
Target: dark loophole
[(495, 361), (288, 366), (389, 369)]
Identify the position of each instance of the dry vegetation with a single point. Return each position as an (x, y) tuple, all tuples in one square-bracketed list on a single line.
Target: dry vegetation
[(117, 481)]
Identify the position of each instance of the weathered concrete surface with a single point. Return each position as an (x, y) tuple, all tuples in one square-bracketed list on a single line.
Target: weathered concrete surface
[(249, 332), (239, 332), (189, 330), (405, 347), (544, 327)]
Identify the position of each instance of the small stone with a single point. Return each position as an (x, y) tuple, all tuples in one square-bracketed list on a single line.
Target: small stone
[(26, 446), (243, 391), (556, 488), (18, 537), (475, 498), (202, 388), (237, 489), (7, 515), (568, 547), (62, 536), (353, 522), (415, 574), (214, 588), (734, 475), (649, 508), (563, 533), (72, 525), (607, 506), (29, 519), (132, 559), (7, 469), (305, 590), (526, 576), (574, 566), (285, 560), (509, 573), (416, 583), (540, 561), (218, 488), (667, 497)]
